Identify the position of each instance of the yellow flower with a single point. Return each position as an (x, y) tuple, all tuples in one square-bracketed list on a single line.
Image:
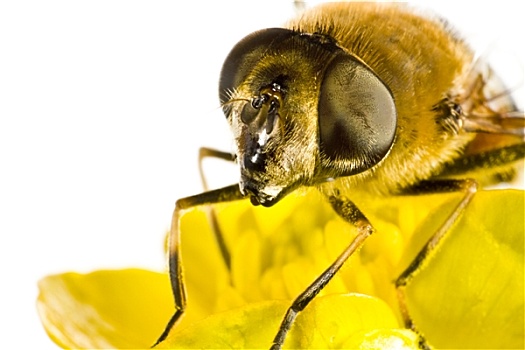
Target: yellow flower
[(469, 294)]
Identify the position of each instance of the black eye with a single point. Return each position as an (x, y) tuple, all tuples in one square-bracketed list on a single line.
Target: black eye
[(357, 116), (245, 55)]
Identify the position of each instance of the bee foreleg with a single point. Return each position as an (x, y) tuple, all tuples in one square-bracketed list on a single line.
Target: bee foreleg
[(205, 152), (348, 211), (469, 187), (225, 194)]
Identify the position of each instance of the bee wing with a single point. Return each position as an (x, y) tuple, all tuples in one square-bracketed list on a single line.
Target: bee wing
[(487, 105), (512, 123)]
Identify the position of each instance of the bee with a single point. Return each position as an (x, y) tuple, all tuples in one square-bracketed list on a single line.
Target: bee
[(358, 99)]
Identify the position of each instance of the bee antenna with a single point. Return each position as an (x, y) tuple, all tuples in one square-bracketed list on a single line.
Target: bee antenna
[(232, 101)]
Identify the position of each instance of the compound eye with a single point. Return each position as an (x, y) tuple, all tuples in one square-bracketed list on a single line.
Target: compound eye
[(245, 55), (357, 116)]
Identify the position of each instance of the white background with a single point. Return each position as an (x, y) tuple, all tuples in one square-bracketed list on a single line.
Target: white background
[(103, 105)]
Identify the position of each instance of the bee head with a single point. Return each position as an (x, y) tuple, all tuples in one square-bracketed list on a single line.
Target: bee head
[(302, 110)]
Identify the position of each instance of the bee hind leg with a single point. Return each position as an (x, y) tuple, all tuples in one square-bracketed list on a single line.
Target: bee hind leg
[(469, 188)]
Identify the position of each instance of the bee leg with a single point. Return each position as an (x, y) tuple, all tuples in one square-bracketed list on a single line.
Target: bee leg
[(205, 152), (348, 211), (467, 186), (225, 194)]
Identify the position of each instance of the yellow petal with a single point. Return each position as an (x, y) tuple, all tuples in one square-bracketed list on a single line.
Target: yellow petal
[(251, 326), (471, 292), (328, 322), (205, 273), (398, 339), (337, 319), (105, 309), (246, 266)]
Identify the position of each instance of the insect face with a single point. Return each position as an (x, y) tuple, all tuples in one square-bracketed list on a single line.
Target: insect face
[(303, 111)]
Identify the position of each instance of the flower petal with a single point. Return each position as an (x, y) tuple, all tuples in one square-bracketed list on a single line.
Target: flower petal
[(105, 309)]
